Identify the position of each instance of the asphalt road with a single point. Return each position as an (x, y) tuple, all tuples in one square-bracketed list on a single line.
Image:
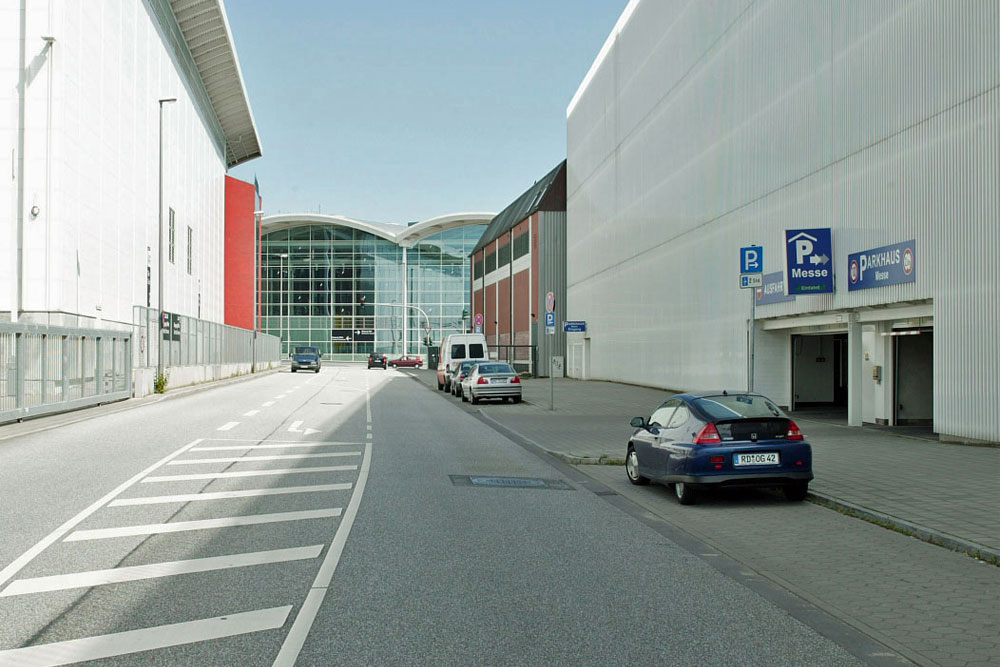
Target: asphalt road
[(158, 536)]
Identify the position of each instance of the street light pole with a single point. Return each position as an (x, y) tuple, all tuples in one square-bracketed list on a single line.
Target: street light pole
[(288, 303), (159, 303)]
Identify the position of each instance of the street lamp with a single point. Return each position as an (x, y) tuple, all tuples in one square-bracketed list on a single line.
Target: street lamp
[(159, 303), (288, 305)]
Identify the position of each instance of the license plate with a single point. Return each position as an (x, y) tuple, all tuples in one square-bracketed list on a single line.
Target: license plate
[(498, 381), (757, 459)]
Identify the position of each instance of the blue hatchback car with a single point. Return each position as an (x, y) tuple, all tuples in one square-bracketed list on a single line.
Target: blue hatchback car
[(719, 439)]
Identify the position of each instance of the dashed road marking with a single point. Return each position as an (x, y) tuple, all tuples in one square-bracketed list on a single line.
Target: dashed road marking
[(228, 426), (251, 413)]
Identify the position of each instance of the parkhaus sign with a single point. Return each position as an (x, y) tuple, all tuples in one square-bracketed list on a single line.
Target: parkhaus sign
[(878, 267)]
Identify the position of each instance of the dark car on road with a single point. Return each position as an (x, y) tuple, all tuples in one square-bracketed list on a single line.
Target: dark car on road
[(306, 358), (712, 440), (377, 359)]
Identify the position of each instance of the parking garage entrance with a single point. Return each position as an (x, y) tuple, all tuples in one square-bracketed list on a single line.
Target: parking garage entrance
[(913, 361), (820, 374)]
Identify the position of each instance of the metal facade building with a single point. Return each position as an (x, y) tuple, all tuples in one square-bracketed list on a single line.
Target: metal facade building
[(703, 128)]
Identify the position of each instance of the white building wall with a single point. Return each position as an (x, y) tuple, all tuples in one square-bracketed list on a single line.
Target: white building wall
[(704, 127), (91, 166)]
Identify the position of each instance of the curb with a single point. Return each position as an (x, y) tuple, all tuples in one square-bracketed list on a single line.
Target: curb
[(977, 551)]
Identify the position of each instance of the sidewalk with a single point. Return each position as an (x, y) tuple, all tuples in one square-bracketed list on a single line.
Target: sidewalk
[(942, 493)]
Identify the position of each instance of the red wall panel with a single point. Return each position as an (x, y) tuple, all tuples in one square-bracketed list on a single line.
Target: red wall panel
[(240, 281)]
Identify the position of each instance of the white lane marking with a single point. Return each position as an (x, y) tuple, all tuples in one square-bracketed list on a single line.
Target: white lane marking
[(272, 457), (251, 413), (310, 431), (146, 639), (304, 620), (280, 396), (294, 428), (289, 445), (246, 473), (228, 426), (56, 534), (117, 575), (267, 404), (224, 495), (202, 524)]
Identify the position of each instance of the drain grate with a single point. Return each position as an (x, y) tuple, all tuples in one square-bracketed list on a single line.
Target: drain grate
[(510, 482)]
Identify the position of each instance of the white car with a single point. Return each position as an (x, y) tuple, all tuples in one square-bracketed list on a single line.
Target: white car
[(491, 379)]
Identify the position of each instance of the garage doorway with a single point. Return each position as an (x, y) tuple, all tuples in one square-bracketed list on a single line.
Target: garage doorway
[(913, 359), (819, 375)]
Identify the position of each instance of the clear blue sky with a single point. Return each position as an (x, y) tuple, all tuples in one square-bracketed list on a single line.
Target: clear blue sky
[(401, 110)]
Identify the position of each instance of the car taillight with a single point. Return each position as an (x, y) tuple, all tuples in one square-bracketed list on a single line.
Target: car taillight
[(708, 435), (515, 380), (482, 380), (793, 431)]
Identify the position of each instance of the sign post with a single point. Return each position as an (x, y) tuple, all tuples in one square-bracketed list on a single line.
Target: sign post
[(550, 329), (751, 277)]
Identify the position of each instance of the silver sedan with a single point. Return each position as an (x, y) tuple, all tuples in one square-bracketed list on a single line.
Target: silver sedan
[(491, 379)]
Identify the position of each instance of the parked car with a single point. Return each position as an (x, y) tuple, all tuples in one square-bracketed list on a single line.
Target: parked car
[(709, 440), (377, 359), (491, 379), (459, 370), (406, 361), (306, 358)]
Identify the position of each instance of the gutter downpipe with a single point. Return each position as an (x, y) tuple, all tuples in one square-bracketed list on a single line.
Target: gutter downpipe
[(22, 90)]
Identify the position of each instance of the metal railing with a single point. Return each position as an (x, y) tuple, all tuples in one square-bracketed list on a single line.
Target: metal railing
[(195, 342), (45, 369), (524, 358)]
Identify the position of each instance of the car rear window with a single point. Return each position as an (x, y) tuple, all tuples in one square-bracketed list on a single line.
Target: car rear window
[(458, 351), (737, 406), (485, 369), (476, 351)]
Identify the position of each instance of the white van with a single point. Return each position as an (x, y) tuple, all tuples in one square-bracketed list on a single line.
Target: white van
[(458, 347)]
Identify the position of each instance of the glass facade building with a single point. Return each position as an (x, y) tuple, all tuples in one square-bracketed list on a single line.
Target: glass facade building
[(353, 289)]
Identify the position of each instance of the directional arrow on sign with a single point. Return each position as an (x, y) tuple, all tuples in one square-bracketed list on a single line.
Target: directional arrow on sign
[(819, 259)]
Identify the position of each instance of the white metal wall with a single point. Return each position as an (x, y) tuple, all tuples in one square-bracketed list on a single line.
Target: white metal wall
[(709, 126), (91, 166)]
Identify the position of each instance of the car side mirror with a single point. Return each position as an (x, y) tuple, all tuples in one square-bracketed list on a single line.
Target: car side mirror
[(637, 422)]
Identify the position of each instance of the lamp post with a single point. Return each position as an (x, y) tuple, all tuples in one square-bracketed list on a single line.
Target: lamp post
[(288, 304), (159, 303)]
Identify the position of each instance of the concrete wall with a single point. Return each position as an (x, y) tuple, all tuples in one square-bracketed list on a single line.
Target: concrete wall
[(184, 376)]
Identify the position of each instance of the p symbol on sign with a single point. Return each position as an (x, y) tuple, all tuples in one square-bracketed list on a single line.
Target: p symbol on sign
[(751, 259)]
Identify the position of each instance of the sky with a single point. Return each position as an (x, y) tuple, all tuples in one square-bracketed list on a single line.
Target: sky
[(403, 110)]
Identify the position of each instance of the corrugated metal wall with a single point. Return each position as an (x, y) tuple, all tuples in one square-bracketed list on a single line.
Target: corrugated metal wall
[(551, 278), (710, 127)]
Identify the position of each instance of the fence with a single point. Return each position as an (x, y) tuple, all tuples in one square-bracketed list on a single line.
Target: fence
[(188, 341), (47, 369), (524, 358)]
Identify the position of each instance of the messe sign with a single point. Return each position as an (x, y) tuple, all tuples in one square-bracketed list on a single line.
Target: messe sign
[(808, 268), (342, 335), (364, 335), (878, 267)]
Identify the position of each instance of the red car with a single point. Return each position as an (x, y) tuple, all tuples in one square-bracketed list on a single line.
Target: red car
[(407, 361)]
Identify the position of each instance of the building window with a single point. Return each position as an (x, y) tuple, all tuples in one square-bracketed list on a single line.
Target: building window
[(491, 262), (478, 268), (190, 248), (521, 245), (170, 244), (503, 255)]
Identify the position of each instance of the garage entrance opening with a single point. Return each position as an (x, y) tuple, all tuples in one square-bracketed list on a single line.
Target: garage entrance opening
[(819, 375), (913, 353)]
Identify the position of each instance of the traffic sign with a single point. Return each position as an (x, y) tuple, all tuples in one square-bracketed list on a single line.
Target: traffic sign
[(479, 328), (550, 330), (878, 267), (752, 259), (574, 325), (550, 302), (550, 319), (751, 280), (479, 320), (807, 261)]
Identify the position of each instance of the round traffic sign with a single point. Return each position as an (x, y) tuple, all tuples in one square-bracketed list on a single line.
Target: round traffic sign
[(550, 301), (479, 319)]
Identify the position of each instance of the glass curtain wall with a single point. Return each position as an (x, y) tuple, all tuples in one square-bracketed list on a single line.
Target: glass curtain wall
[(315, 275)]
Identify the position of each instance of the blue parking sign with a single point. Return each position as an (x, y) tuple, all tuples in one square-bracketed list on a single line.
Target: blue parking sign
[(752, 259), (808, 261), (550, 318)]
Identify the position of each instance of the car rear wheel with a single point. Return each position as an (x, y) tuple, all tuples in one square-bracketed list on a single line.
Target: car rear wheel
[(684, 493), (317, 370), (462, 393), (475, 399), (632, 469), (796, 492)]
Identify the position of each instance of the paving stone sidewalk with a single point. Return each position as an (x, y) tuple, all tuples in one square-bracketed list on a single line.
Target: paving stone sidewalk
[(940, 492)]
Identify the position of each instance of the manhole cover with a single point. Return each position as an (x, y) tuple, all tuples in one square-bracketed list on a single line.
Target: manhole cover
[(509, 482)]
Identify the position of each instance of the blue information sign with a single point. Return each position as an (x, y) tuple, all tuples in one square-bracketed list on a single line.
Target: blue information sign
[(773, 289), (808, 264), (752, 259), (888, 265), (550, 318), (574, 325)]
